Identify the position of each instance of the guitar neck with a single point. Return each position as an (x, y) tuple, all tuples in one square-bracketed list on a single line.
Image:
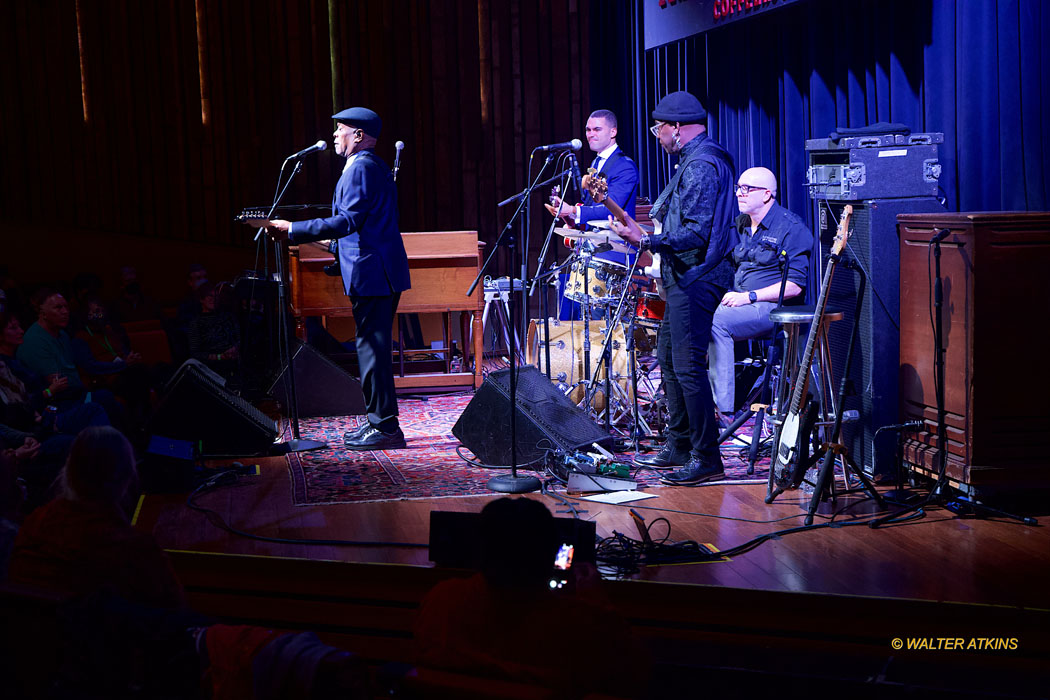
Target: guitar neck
[(802, 379)]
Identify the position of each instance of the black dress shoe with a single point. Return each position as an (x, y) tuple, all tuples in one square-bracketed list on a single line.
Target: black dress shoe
[(355, 434), (667, 458), (375, 439), (696, 471)]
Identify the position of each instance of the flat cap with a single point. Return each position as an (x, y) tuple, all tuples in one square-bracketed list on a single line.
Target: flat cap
[(680, 107), (362, 118)]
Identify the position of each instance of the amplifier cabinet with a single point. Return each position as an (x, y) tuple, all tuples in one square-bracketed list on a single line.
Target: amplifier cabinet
[(993, 268)]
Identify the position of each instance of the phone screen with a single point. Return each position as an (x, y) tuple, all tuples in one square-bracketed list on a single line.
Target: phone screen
[(562, 564)]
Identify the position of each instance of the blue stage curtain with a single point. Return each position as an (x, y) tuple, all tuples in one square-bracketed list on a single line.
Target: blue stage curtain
[(978, 71)]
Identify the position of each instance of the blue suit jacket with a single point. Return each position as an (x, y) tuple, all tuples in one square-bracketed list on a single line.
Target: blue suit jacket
[(622, 175), (364, 224)]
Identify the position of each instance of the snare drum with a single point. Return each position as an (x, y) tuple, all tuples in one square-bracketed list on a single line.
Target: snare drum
[(649, 310), (605, 280)]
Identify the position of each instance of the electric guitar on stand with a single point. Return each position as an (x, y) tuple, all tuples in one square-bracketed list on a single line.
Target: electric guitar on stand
[(597, 185), (790, 458)]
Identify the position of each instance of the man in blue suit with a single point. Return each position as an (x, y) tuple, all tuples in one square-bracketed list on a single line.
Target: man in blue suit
[(373, 265), (620, 173)]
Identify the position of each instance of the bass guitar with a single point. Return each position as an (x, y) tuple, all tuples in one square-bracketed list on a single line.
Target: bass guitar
[(597, 185), (789, 467)]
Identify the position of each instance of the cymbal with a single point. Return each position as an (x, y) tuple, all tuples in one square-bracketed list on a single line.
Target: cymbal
[(596, 237)]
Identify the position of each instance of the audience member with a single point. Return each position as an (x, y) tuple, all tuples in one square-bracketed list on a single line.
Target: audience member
[(508, 623), (214, 335), (86, 285), (131, 304), (82, 542), (190, 306), (47, 350), (106, 361), (38, 392), (12, 496)]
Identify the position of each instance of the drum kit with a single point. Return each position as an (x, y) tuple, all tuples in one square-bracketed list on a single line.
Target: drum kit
[(603, 362)]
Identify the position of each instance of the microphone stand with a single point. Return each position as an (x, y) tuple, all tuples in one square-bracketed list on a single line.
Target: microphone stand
[(512, 483), (296, 444)]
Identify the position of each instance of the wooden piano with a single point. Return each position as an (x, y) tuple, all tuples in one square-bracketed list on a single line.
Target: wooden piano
[(442, 264)]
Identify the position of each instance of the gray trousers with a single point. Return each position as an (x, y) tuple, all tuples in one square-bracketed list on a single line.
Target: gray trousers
[(731, 324)]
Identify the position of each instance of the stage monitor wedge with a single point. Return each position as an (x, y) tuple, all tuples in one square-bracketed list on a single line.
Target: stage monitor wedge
[(545, 420)]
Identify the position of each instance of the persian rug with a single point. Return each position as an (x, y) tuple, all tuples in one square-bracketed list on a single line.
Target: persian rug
[(430, 467)]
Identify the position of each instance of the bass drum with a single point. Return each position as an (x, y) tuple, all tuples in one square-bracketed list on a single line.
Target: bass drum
[(567, 356)]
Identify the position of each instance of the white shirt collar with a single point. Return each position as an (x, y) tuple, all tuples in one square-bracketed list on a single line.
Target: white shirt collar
[(609, 150), (351, 160)]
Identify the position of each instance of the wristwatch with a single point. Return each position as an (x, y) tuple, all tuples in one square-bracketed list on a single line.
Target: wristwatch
[(646, 242), (752, 297)]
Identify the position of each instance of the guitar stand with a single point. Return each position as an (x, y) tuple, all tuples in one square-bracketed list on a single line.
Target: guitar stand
[(826, 476)]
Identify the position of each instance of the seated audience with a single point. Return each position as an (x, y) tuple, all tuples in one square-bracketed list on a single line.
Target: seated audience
[(106, 360), (507, 622), (31, 394), (214, 335), (82, 541), (12, 495), (132, 304), (47, 351)]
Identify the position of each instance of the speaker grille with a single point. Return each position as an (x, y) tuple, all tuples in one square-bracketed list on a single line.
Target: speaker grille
[(545, 420), (199, 409)]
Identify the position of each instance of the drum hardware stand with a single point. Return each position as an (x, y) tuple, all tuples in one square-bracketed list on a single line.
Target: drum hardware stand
[(512, 483), (938, 493), (497, 298)]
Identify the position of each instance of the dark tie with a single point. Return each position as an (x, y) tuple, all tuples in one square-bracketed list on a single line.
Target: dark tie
[(597, 163)]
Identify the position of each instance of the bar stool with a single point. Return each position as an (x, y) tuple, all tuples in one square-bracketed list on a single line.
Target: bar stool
[(822, 381)]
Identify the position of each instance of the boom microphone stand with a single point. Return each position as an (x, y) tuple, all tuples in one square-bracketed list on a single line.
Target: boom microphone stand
[(296, 444), (512, 483)]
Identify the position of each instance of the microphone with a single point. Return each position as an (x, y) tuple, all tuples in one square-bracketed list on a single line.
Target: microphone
[(576, 180), (941, 235), (575, 145), (397, 157), (319, 146)]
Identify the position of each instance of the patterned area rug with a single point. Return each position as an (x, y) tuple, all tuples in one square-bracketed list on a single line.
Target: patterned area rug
[(429, 468)]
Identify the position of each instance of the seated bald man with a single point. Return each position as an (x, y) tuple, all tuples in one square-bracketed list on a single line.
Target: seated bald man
[(765, 229)]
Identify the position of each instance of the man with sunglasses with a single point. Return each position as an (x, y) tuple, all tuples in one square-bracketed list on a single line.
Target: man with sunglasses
[(770, 236), (373, 265), (696, 209)]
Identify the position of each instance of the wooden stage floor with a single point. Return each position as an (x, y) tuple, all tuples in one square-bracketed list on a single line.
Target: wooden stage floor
[(939, 557)]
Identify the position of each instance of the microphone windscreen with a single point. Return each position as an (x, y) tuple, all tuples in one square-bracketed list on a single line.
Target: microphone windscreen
[(321, 145), (576, 144), (399, 145)]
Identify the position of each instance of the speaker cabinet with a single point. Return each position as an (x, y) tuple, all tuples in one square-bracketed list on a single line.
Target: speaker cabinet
[(875, 245), (322, 388), (545, 420), (198, 408)]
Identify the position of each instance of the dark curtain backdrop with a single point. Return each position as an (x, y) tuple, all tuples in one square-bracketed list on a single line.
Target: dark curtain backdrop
[(978, 70), (192, 106)]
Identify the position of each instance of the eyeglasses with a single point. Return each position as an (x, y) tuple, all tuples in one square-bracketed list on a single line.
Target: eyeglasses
[(655, 128), (748, 189)]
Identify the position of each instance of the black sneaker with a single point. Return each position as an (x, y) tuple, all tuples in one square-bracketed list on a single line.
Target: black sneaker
[(696, 471), (667, 458), (375, 439)]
